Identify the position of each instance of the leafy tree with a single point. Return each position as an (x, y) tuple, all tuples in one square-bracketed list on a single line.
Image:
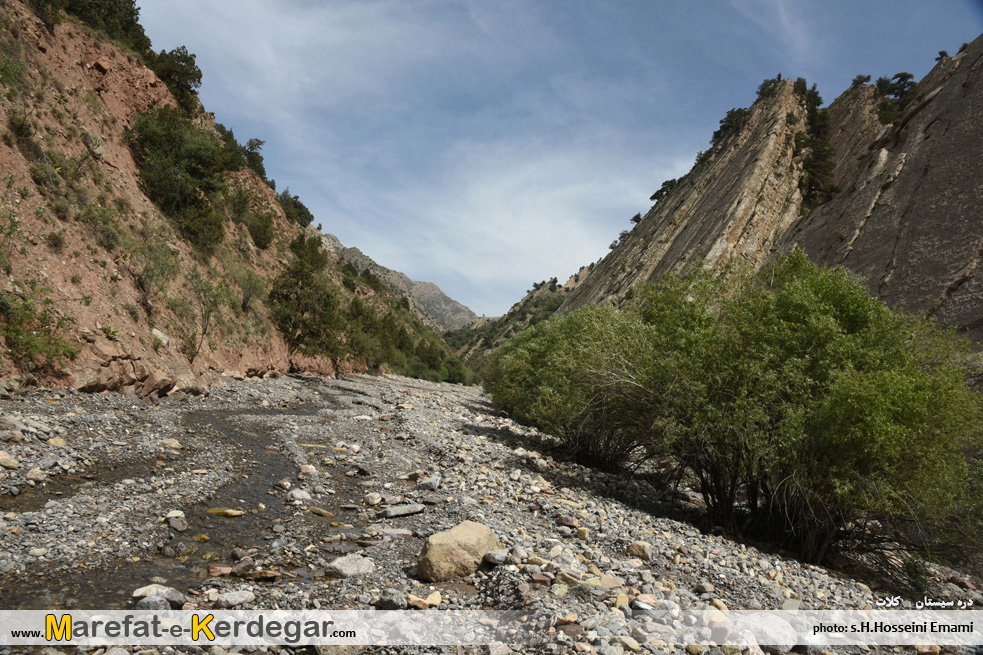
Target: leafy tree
[(179, 71), (260, 228), (118, 19), (732, 123), (206, 298), (254, 160), (816, 184), (302, 305), (666, 188), (942, 55), (296, 211), (895, 93), (860, 80), (770, 86)]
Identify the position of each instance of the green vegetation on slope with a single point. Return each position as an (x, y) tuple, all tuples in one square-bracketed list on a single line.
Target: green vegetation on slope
[(376, 330), (808, 411), (477, 344)]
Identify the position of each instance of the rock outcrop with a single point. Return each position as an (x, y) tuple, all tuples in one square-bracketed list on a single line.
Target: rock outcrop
[(906, 218), (737, 203)]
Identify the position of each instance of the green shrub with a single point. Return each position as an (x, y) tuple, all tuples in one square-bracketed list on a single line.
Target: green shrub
[(55, 240), (104, 226), (568, 376), (152, 264), (35, 334), (808, 411), (296, 211), (179, 166), (11, 72), (250, 284), (260, 228)]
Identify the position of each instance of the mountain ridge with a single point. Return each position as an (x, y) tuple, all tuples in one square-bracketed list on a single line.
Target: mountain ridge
[(743, 200), (427, 300)]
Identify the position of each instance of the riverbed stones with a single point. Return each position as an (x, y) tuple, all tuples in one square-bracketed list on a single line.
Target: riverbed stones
[(232, 599), (349, 566), (456, 552), (8, 461), (402, 510), (510, 478)]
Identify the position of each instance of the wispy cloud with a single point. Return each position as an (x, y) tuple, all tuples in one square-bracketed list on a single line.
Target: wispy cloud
[(784, 21), (488, 145)]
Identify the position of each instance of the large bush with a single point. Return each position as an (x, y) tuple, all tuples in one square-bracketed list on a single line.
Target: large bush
[(179, 165), (576, 376), (807, 410)]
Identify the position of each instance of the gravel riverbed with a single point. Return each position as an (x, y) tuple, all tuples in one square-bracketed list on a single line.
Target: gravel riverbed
[(246, 498)]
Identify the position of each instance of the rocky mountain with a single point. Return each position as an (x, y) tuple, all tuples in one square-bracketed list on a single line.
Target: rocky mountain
[(142, 247), (904, 214), (908, 220), (428, 302)]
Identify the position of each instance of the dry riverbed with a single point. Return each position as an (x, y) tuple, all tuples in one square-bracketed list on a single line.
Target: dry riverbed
[(247, 497)]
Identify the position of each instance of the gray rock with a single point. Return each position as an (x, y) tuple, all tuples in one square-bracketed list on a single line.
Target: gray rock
[(153, 603), (497, 557), (401, 510), (391, 599), (234, 599), (298, 494), (348, 566), (430, 484)]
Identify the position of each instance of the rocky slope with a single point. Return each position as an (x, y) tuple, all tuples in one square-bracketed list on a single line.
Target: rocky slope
[(478, 340), (738, 202), (77, 232), (906, 218), (431, 305), (319, 494)]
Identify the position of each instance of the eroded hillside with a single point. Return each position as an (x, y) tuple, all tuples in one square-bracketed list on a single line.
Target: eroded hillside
[(140, 239)]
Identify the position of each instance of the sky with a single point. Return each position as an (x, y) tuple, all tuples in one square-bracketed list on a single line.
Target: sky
[(485, 145)]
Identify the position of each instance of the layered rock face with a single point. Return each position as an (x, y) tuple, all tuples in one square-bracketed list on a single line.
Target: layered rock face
[(739, 202), (907, 218)]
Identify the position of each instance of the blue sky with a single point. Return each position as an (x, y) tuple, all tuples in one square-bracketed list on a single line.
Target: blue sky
[(488, 144)]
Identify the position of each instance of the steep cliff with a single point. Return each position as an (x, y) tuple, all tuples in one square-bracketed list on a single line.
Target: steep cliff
[(93, 268), (905, 216), (908, 220), (737, 201)]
